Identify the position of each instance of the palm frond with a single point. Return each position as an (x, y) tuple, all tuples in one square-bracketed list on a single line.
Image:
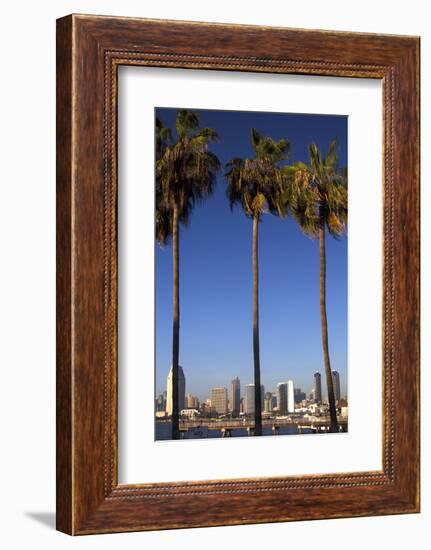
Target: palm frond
[(163, 137), (163, 226), (315, 159), (255, 139), (256, 184), (331, 159), (317, 192), (336, 207), (186, 123), (185, 172)]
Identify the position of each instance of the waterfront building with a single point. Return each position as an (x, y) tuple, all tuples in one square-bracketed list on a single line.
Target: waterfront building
[(282, 397), (336, 385), (268, 402), (235, 396), (317, 387), (190, 413), (286, 397), (249, 398), (192, 402), (181, 390), (219, 400), (290, 396), (161, 402), (299, 395)]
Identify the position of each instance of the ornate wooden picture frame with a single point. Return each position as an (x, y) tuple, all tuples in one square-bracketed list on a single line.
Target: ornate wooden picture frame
[(89, 51)]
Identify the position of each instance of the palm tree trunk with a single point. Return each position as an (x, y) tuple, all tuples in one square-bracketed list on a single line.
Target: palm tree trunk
[(256, 355), (324, 322), (176, 325)]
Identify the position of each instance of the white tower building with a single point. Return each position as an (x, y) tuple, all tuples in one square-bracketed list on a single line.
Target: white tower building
[(181, 390), (290, 396)]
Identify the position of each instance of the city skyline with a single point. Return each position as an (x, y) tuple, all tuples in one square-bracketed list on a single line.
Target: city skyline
[(289, 391)]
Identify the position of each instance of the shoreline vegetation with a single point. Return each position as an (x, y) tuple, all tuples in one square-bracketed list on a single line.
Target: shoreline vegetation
[(314, 194)]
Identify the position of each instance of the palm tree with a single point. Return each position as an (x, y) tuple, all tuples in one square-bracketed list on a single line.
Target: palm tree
[(255, 184), (163, 137), (316, 194), (185, 175)]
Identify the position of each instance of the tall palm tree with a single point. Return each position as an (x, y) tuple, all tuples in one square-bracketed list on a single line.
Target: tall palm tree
[(185, 175), (316, 194), (255, 184)]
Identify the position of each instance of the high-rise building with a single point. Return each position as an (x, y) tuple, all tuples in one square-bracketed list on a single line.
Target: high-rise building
[(219, 400), (336, 385), (249, 398), (207, 407), (268, 402), (286, 397), (317, 387), (161, 402), (181, 390), (192, 402), (235, 396), (299, 395), (282, 397), (290, 397)]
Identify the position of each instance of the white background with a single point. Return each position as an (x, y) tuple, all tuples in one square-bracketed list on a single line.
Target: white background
[(27, 125), (143, 460)]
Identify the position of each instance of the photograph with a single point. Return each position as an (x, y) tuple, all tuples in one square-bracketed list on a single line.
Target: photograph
[(251, 273)]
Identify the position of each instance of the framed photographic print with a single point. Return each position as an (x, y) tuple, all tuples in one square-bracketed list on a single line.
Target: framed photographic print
[(237, 274)]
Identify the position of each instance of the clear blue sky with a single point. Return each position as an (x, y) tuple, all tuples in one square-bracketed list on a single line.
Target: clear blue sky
[(216, 274)]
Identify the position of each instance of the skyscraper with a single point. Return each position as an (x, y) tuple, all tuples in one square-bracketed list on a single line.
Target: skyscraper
[(282, 397), (249, 398), (299, 395), (161, 402), (317, 387), (219, 400), (268, 402), (336, 385), (290, 396), (286, 397), (181, 390), (192, 402), (235, 396)]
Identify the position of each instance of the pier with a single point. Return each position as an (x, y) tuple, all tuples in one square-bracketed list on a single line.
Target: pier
[(316, 424)]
